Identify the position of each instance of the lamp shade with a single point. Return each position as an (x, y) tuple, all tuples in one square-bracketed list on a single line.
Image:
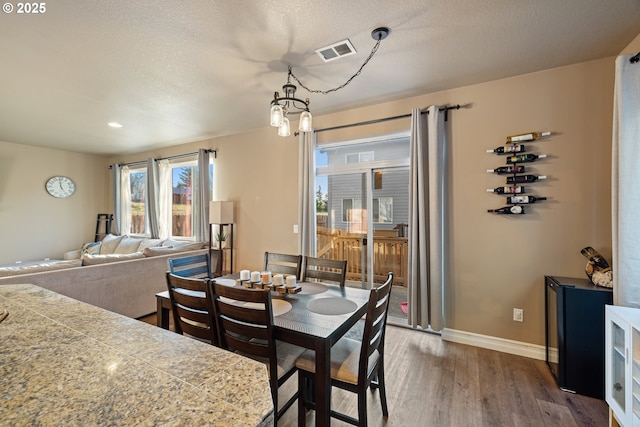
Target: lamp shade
[(221, 212), (305, 122), (284, 129), (276, 115)]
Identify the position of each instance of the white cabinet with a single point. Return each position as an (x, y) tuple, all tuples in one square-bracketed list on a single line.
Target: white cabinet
[(622, 362)]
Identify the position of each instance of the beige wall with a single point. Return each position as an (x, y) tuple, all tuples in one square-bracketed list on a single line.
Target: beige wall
[(34, 225), (496, 262)]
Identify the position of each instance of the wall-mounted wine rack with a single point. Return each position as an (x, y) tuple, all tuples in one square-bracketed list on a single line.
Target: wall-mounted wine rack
[(516, 172)]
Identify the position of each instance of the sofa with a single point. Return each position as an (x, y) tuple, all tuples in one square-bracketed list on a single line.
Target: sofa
[(120, 273)]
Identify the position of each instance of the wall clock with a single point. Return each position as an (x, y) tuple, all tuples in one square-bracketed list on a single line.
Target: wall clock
[(60, 186)]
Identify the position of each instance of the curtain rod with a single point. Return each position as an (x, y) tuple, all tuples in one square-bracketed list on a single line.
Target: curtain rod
[(177, 156), (635, 58), (386, 119)]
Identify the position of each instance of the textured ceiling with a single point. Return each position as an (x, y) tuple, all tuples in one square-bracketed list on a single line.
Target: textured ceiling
[(176, 71)]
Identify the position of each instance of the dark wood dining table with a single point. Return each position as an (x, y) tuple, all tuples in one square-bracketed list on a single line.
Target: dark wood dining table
[(317, 318)]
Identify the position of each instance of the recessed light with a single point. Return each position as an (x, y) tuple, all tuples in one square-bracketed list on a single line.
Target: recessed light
[(114, 124)]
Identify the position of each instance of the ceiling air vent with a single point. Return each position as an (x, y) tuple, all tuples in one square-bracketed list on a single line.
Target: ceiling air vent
[(336, 50)]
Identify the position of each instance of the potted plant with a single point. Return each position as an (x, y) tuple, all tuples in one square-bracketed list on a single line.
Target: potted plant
[(221, 238)]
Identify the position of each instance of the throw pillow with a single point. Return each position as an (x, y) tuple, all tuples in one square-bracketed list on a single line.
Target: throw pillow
[(110, 243), (92, 248), (128, 245)]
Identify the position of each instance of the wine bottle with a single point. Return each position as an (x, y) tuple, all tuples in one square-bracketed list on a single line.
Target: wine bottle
[(509, 210), (507, 169), (524, 178), (509, 149), (531, 136), (516, 189), (524, 200), (595, 257), (523, 158)]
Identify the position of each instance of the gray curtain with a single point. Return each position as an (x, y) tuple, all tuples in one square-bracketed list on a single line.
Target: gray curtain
[(117, 195), (203, 196), (625, 194), (153, 200), (307, 208), (426, 220)]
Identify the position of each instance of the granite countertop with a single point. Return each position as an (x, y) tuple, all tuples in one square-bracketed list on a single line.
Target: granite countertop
[(64, 362)]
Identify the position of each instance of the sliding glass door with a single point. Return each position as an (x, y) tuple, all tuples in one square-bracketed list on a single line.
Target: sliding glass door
[(362, 205)]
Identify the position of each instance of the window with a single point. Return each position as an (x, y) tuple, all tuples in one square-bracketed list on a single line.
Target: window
[(183, 177), (382, 210), (363, 157), (178, 184), (138, 189)]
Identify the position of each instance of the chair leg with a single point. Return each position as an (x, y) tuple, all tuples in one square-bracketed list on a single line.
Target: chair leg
[(362, 408), (302, 399), (382, 390)]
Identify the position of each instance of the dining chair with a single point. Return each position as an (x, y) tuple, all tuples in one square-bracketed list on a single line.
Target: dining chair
[(244, 320), (192, 311), (197, 266), (355, 365), (283, 264), (321, 269)]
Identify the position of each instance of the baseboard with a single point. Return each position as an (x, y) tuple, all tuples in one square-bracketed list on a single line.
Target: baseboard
[(493, 343)]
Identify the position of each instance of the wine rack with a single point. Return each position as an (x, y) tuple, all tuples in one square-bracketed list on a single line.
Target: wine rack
[(517, 173)]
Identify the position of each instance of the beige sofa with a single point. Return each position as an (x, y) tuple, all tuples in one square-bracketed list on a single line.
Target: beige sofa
[(125, 283)]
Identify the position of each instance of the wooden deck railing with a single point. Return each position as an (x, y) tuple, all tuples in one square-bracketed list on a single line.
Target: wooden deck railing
[(389, 253)]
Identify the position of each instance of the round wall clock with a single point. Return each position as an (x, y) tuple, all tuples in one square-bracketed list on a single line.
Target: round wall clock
[(60, 186)]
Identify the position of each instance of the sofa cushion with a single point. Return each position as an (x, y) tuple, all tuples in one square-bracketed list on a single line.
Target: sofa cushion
[(106, 258), (149, 243), (72, 255), (128, 245), (166, 250), (109, 244), (37, 267)]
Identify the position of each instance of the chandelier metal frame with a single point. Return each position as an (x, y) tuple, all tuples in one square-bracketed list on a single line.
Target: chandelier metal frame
[(281, 106)]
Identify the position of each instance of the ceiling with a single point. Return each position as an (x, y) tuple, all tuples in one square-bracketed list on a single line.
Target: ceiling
[(177, 71)]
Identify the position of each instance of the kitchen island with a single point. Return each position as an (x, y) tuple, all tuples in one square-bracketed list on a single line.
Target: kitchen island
[(65, 362)]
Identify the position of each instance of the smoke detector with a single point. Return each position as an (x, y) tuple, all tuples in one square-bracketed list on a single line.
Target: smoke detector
[(336, 50)]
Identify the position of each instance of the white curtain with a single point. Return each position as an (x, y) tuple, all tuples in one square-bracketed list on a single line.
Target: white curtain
[(426, 220), (125, 201), (306, 209), (164, 199), (625, 193), (153, 197), (203, 196), (116, 195)]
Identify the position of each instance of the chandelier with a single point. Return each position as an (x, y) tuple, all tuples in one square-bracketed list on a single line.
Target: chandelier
[(281, 106)]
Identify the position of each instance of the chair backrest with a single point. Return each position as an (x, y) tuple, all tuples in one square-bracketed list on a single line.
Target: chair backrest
[(334, 270), (375, 325), (283, 264), (245, 328), (192, 310), (193, 266)]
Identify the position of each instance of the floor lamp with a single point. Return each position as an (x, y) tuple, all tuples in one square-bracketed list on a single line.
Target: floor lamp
[(221, 213)]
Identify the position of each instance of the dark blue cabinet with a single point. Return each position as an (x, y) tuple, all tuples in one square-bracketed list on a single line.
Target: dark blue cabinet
[(574, 341)]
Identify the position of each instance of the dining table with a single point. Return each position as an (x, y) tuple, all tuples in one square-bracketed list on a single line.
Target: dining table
[(315, 318)]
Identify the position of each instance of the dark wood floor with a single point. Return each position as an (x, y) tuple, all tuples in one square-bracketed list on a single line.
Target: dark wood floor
[(431, 382)]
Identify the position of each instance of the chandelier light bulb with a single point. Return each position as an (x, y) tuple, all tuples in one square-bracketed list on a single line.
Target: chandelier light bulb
[(276, 115), (305, 122), (284, 129)]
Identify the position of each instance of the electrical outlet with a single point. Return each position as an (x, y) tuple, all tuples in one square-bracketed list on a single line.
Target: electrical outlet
[(518, 315)]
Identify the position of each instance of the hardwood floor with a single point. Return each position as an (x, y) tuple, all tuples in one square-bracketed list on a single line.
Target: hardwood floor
[(431, 382)]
